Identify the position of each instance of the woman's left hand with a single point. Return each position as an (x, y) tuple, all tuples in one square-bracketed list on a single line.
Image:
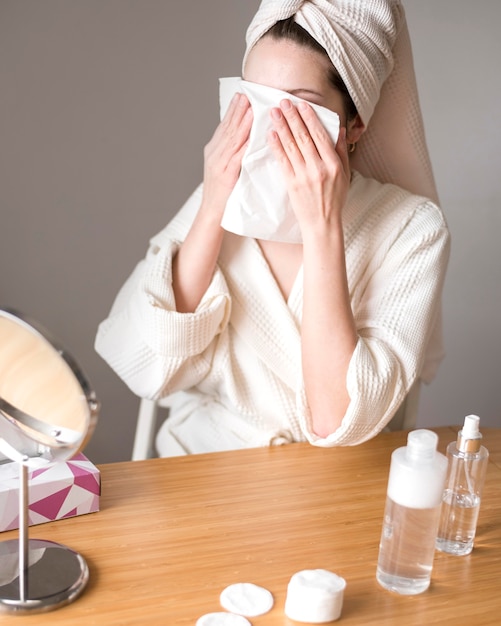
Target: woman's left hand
[(316, 171), (317, 175)]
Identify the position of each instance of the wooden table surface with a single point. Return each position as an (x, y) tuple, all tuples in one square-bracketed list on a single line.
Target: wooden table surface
[(172, 533)]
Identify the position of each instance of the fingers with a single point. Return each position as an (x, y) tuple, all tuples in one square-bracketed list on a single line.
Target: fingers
[(236, 128), (232, 134), (223, 153), (237, 121), (294, 138), (237, 109), (319, 135), (304, 139)]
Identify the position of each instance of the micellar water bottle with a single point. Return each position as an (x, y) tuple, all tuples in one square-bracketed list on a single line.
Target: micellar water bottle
[(463, 487), (414, 494)]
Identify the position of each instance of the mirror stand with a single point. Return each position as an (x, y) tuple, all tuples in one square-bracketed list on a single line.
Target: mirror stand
[(37, 575)]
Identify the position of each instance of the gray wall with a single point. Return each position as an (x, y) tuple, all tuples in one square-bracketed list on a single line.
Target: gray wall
[(105, 106)]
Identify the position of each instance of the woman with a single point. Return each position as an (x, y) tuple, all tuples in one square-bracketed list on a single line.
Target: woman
[(260, 341)]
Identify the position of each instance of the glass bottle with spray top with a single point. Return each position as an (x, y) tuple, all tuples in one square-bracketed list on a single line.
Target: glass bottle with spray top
[(468, 460), (414, 494)]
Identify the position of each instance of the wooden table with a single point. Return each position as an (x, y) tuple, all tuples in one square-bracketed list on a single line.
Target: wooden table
[(172, 533)]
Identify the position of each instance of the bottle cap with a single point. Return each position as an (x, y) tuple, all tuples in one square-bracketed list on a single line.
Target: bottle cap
[(417, 472), (421, 444), (470, 437)]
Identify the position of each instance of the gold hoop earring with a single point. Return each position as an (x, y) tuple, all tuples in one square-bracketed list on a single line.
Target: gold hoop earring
[(351, 147)]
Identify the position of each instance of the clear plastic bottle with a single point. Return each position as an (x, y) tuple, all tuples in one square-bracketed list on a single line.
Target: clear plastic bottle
[(411, 516), (463, 488)]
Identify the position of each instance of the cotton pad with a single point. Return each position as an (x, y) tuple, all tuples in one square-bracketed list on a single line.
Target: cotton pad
[(222, 619), (315, 596), (246, 599)]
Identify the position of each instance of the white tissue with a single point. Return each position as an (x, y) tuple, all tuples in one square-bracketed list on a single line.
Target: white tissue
[(315, 596), (259, 206)]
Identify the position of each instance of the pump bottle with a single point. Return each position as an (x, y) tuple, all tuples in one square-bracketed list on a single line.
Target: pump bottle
[(414, 494), (463, 487)]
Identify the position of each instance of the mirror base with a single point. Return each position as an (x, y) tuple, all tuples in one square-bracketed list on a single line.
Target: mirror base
[(55, 577)]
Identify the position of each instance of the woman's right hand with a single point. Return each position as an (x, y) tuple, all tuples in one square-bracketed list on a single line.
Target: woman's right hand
[(193, 265), (223, 154)]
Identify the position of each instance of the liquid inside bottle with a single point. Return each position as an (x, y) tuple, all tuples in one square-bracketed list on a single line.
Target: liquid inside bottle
[(458, 522), (407, 548)]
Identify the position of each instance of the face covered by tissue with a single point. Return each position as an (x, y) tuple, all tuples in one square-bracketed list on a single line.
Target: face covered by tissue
[(259, 205)]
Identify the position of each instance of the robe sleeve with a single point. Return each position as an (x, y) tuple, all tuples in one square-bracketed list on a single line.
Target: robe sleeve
[(154, 349), (395, 321)]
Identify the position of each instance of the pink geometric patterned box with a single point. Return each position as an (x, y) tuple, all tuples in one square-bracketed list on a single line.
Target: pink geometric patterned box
[(55, 492)]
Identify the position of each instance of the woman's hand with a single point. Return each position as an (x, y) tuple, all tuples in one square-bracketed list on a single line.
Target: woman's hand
[(194, 264), (223, 154), (318, 179), (317, 173)]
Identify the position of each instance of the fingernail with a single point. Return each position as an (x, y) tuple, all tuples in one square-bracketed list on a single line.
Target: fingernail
[(276, 114), (286, 105)]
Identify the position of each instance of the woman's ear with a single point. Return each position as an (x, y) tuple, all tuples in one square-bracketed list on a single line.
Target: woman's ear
[(354, 129)]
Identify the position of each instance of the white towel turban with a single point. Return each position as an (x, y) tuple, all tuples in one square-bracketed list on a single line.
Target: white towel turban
[(368, 44)]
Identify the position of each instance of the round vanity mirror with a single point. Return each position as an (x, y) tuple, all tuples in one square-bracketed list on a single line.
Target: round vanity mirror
[(47, 409), (47, 414)]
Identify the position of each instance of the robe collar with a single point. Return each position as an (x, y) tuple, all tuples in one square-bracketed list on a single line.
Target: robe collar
[(260, 315)]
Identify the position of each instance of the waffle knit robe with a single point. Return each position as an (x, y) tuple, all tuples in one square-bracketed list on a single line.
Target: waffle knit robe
[(232, 369)]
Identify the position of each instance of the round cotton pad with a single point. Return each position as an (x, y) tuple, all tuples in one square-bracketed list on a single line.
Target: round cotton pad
[(222, 619), (315, 596), (246, 599)]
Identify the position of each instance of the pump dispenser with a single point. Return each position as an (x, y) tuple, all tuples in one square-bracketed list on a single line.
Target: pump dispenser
[(463, 488), (411, 515)]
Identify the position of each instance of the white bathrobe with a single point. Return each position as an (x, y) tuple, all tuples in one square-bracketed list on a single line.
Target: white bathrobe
[(234, 366)]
